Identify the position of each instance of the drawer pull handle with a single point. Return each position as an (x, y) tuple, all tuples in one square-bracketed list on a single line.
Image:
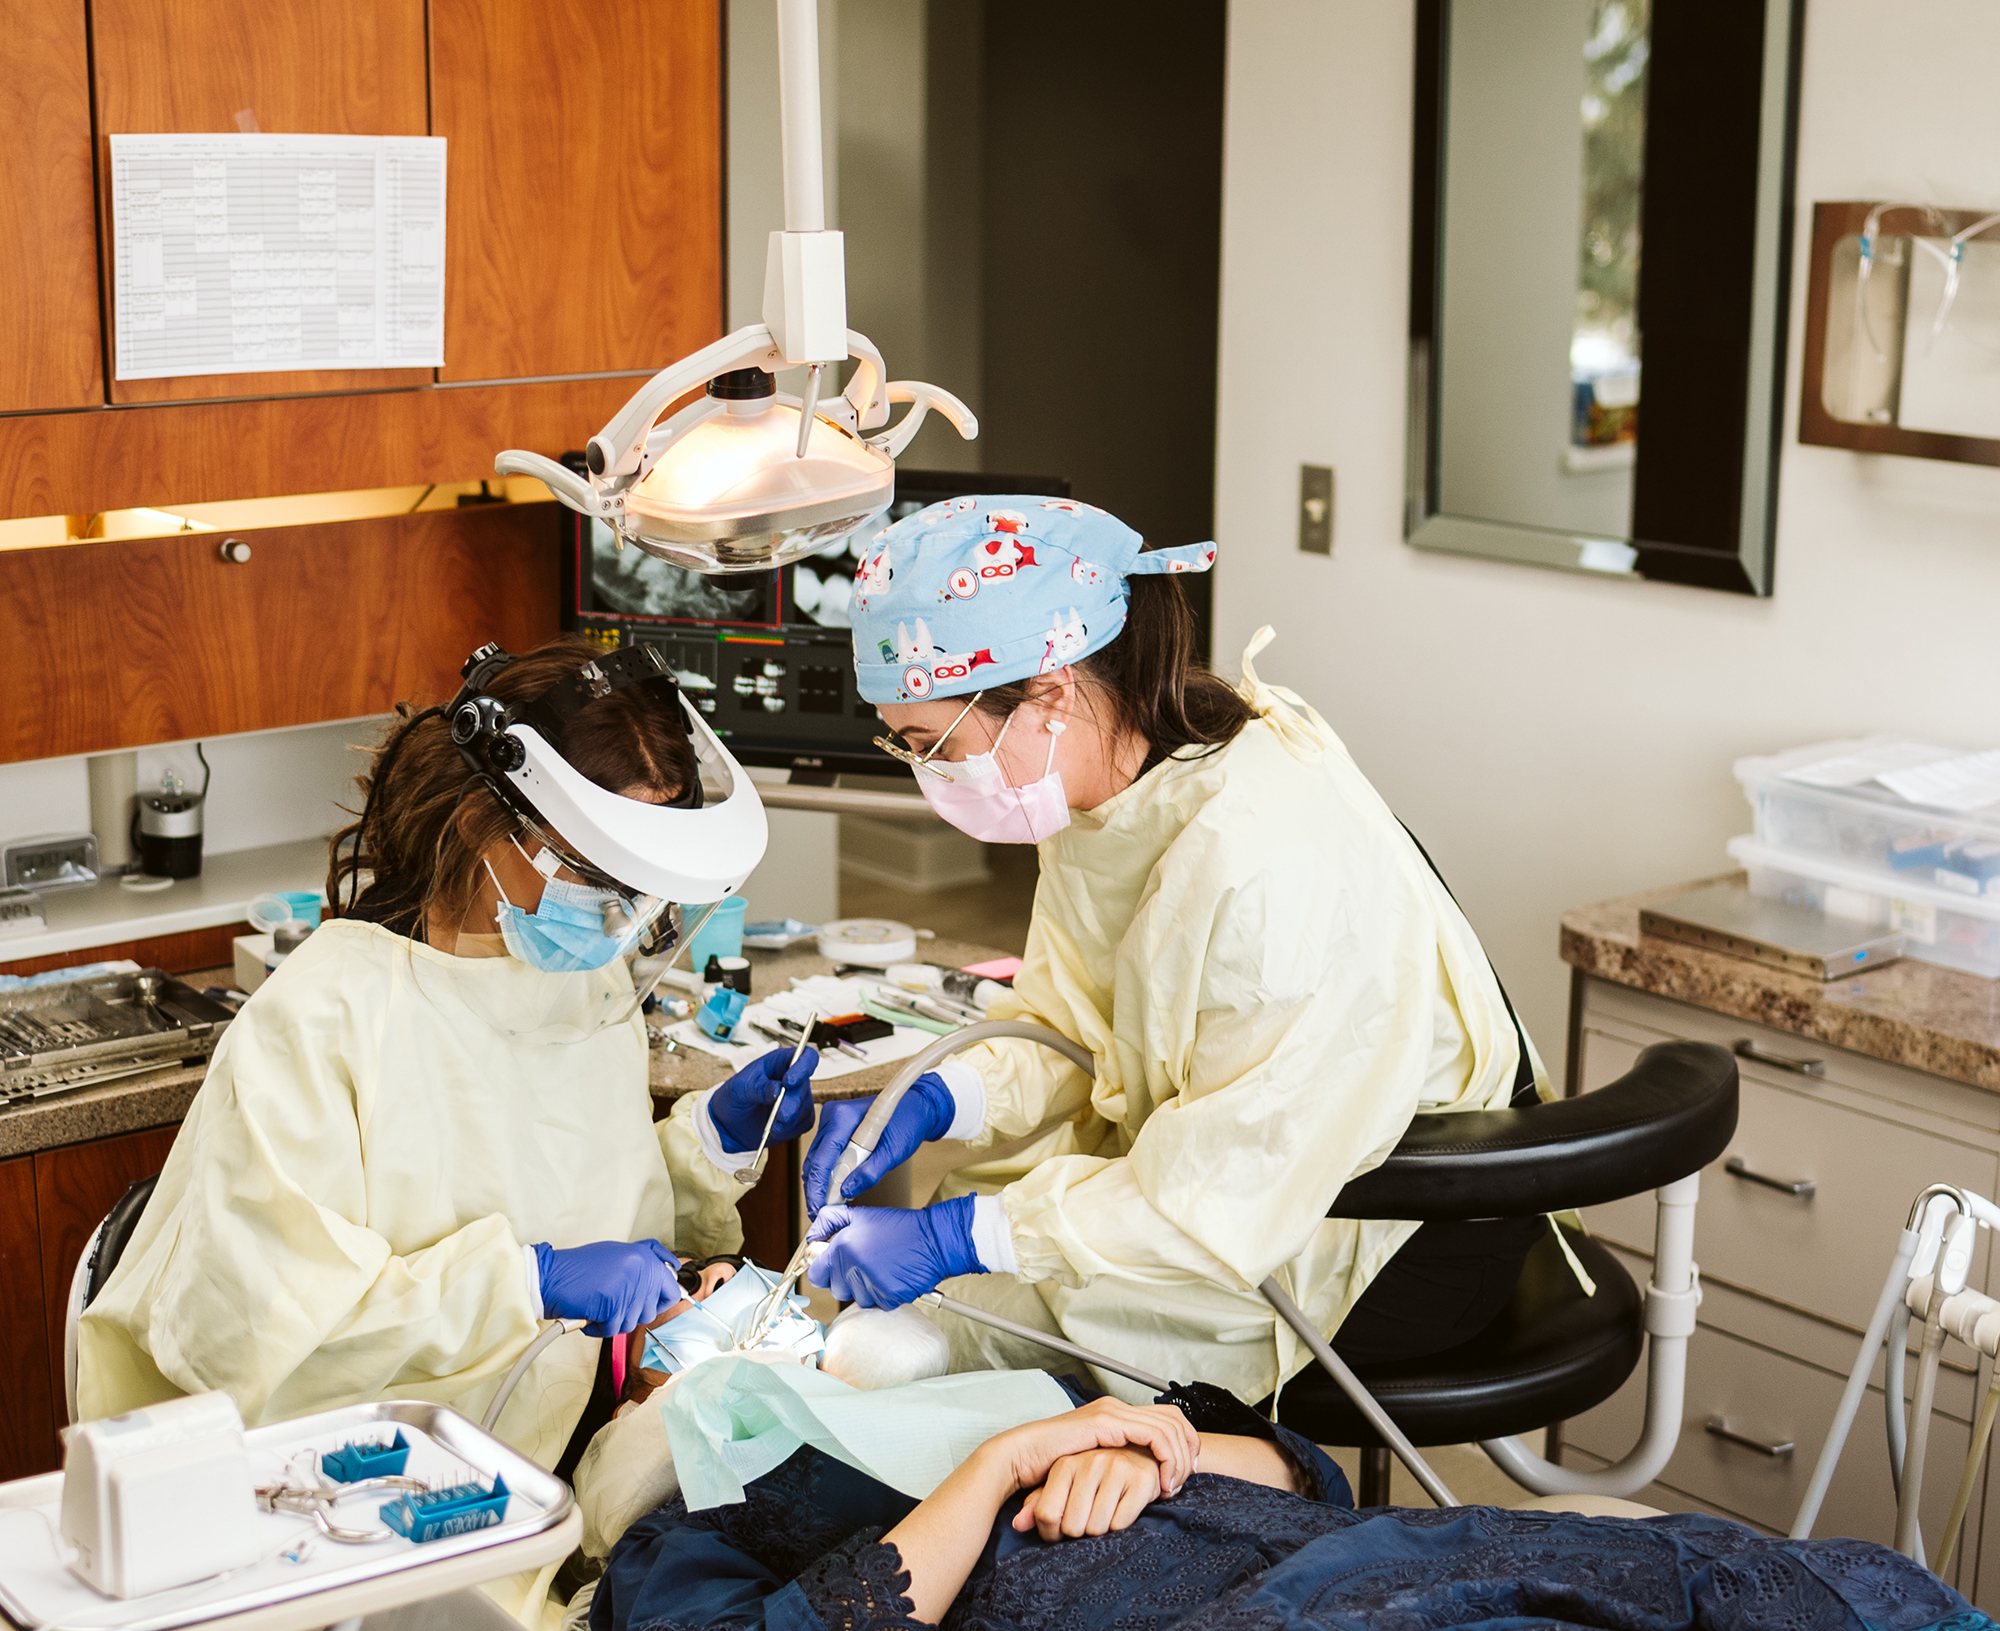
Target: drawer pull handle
[(1718, 1427), (1804, 1188), (1746, 1049)]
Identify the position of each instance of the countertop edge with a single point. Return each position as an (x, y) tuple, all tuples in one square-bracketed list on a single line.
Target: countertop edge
[(1602, 940)]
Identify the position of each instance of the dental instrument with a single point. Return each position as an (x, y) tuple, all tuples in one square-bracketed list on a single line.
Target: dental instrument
[(753, 1169)]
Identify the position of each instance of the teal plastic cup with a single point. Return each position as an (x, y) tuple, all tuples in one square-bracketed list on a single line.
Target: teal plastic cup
[(720, 936)]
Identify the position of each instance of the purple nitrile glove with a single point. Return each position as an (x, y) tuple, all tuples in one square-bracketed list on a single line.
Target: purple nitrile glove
[(923, 1114), (885, 1256), (741, 1105), (616, 1285)]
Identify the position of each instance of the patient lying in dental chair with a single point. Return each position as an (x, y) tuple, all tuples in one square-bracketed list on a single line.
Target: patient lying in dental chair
[(628, 1468), (1192, 1511)]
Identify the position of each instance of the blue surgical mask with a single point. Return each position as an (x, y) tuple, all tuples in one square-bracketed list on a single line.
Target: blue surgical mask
[(715, 1325), (564, 934)]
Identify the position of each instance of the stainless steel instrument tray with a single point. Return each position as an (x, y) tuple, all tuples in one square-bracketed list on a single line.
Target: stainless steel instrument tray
[(79, 1033), (543, 1499)]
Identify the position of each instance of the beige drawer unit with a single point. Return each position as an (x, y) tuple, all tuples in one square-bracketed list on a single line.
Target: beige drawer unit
[(1805, 1204), (1830, 1149)]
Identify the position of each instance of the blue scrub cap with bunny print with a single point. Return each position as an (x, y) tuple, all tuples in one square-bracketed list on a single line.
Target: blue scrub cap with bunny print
[(980, 591)]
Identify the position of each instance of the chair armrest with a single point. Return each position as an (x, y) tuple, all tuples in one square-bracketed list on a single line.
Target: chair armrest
[(1670, 1115)]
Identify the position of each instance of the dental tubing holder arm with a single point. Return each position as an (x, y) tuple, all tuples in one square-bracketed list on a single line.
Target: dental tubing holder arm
[(1927, 1279), (1672, 1296), (866, 1136), (805, 324)]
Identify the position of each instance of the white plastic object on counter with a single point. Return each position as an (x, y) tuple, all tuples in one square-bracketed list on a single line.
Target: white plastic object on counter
[(873, 942), (965, 988), (159, 1497)]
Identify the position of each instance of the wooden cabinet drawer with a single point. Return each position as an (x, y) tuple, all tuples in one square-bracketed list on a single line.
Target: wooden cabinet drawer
[(1777, 1398), (1823, 1253)]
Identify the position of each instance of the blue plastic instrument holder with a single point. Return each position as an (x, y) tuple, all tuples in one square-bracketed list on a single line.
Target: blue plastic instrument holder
[(721, 1013), (443, 1513), (351, 1463)]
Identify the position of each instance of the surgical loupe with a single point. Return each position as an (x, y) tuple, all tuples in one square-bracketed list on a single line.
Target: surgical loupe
[(747, 478)]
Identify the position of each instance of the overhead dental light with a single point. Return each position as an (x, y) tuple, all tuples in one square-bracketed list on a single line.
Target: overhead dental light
[(746, 477)]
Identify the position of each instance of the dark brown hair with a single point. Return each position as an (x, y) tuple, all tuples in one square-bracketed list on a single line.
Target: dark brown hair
[(408, 840), (1151, 678)]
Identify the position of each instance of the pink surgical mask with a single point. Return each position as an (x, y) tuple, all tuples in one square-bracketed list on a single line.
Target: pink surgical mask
[(978, 801)]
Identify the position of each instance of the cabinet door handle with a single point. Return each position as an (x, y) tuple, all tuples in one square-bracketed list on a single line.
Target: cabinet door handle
[(1718, 1427), (1804, 1188), (1746, 1049)]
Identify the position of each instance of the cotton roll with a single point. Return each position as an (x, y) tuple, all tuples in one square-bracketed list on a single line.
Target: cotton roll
[(872, 1348)]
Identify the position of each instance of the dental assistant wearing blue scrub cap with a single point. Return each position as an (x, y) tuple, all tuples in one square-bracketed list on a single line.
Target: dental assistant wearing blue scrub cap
[(1270, 976), (416, 1141)]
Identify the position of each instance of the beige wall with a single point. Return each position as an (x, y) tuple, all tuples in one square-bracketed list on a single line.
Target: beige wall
[(1556, 739)]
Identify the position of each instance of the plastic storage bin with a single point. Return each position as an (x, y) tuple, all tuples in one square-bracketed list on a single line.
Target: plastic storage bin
[(1939, 925), (1869, 829)]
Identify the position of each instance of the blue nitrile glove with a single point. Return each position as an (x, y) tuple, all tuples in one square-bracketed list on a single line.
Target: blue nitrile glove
[(616, 1285), (885, 1256), (741, 1105), (923, 1114)]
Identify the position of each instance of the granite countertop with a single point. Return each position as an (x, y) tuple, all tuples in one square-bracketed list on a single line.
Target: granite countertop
[(689, 1071), (1908, 1013)]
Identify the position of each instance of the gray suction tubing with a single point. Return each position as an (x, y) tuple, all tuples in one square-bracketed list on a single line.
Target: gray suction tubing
[(869, 1133)]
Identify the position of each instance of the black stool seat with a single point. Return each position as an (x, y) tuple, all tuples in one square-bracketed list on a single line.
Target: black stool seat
[(1550, 1354)]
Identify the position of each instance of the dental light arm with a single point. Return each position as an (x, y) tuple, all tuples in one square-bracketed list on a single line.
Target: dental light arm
[(721, 520)]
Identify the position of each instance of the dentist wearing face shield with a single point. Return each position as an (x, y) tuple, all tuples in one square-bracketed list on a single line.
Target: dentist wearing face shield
[(1270, 975), (431, 1129)]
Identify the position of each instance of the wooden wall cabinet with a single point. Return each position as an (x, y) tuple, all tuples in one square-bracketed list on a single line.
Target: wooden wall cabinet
[(584, 196), (50, 1203), (49, 344), (583, 233), (114, 645), (355, 68)]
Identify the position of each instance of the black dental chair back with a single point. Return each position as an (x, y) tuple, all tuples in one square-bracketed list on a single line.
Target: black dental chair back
[(1552, 1352)]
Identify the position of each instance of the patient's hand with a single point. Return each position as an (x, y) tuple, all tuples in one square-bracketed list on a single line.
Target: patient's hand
[(1091, 1494), (1158, 1430)]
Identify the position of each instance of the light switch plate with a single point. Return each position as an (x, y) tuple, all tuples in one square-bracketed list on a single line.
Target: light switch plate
[(1316, 509)]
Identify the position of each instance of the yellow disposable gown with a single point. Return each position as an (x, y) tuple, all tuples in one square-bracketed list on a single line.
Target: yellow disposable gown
[(342, 1216), (1273, 983)]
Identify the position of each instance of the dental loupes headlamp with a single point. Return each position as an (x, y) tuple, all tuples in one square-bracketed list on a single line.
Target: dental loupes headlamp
[(745, 478), (688, 851)]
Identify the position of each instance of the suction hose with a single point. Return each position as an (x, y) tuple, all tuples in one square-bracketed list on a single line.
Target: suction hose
[(869, 1133)]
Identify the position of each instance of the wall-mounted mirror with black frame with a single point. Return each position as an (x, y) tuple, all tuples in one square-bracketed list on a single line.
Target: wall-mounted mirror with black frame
[(1601, 258)]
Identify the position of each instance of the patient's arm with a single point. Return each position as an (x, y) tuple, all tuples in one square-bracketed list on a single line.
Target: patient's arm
[(1254, 1460), (942, 1539)]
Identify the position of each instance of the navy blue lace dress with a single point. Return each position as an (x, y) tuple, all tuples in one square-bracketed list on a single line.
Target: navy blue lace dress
[(803, 1552)]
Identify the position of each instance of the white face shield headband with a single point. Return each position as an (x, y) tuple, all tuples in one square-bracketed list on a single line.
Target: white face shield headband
[(615, 872), (697, 850)]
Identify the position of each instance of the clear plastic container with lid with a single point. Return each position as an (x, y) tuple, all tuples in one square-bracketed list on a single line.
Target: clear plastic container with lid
[(1942, 926), (1866, 828)]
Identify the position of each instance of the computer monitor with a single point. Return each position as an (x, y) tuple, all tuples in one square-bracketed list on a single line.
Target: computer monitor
[(766, 656)]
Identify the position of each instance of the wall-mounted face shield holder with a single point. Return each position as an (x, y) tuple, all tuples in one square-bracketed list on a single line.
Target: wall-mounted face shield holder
[(656, 864)]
